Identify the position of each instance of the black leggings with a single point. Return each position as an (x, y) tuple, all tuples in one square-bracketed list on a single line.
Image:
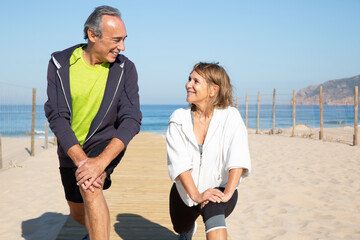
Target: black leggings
[(183, 216)]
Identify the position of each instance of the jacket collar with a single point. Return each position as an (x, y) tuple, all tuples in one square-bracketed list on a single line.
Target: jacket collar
[(62, 58), (184, 119)]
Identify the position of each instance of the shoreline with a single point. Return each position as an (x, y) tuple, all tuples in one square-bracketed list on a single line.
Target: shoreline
[(342, 135), (16, 149)]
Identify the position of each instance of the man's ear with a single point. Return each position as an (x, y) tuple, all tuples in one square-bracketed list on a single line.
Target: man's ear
[(91, 35)]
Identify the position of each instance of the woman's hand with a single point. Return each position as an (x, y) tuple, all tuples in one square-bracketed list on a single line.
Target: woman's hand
[(226, 197), (233, 181), (210, 195)]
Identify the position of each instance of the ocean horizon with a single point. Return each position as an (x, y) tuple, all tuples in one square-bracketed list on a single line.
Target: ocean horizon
[(15, 120)]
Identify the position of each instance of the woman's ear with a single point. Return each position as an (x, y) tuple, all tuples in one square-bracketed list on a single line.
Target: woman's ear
[(214, 89)]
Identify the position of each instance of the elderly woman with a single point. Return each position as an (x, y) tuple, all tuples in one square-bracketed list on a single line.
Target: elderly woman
[(208, 154)]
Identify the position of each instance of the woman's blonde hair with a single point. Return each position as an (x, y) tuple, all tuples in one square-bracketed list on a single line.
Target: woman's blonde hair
[(214, 74)]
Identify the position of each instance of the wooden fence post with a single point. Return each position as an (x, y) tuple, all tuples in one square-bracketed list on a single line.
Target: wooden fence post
[(258, 113), (46, 135), (293, 129), (33, 123), (321, 133), (273, 115), (55, 141), (1, 159), (356, 99), (246, 110)]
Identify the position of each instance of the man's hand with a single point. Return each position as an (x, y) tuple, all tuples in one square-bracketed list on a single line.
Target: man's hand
[(88, 172), (99, 182)]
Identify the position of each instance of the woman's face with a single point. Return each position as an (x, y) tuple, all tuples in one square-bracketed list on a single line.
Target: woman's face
[(197, 90)]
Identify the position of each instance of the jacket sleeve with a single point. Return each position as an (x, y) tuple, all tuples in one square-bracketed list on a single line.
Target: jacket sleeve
[(178, 159), (237, 154), (57, 111), (129, 114)]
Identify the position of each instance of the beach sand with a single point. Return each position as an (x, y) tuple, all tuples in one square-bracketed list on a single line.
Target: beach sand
[(300, 188), (17, 150), (32, 203)]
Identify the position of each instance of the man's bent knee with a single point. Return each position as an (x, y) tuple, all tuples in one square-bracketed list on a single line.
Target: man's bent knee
[(89, 196)]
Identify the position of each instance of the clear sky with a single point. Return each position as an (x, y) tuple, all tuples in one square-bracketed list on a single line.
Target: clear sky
[(262, 44)]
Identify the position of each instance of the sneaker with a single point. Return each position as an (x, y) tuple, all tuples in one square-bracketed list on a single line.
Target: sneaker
[(189, 234), (86, 237)]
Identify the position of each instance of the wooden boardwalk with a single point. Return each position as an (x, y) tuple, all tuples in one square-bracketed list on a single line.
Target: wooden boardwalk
[(139, 196)]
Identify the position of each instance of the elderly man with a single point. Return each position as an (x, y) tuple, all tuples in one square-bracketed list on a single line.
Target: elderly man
[(93, 109)]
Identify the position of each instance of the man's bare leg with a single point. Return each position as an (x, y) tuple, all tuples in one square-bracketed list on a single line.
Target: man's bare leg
[(97, 215), (77, 212)]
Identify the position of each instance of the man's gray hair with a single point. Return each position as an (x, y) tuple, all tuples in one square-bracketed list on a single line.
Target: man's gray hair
[(94, 20)]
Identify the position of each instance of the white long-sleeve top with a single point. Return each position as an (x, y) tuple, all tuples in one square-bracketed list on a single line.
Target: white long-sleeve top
[(225, 147)]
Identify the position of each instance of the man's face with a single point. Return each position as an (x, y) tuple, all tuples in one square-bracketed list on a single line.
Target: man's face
[(112, 40)]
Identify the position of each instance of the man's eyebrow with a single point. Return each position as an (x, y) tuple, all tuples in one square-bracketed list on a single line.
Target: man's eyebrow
[(119, 38)]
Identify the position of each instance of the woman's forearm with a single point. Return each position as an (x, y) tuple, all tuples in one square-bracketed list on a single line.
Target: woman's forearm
[(189, 185), (233, 181), (211, 194)]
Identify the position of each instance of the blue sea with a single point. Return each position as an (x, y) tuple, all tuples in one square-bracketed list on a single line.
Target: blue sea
[(15, 120)]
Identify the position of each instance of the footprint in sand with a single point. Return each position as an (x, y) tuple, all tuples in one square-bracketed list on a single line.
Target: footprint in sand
[(334, 181), (265, 195), (323, 216)]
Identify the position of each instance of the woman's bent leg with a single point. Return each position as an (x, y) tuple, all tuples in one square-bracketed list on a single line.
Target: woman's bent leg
[(182, 216)]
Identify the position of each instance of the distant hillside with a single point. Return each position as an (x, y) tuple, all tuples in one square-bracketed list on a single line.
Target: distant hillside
[(335, 92)]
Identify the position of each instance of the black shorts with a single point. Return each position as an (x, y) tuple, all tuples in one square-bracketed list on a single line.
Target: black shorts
[(68, 179), (183, 216)]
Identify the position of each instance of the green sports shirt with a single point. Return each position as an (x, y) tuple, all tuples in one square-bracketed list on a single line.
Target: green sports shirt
[(87, 86)]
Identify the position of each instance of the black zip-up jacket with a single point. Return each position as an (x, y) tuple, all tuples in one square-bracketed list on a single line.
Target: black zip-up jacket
[(119, 115)]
